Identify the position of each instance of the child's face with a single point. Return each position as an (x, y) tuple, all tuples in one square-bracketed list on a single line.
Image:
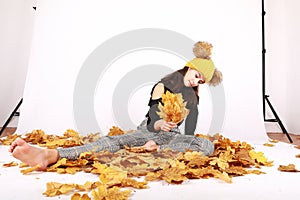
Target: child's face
[(193, 78)]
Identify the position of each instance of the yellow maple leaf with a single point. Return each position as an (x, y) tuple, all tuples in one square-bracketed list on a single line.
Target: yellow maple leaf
[(221, 163), (258, 157), (224, 176), (173, 108), (77, 196)]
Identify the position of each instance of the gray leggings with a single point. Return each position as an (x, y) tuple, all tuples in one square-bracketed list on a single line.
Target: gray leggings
[(173, 140)]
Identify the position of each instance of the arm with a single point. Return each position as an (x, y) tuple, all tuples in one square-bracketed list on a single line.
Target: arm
[(155, 123), (191, 121)]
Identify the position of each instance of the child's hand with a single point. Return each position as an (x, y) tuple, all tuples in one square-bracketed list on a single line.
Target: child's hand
[(165, 126)]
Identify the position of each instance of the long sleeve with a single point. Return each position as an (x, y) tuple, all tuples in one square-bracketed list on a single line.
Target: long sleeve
[(191, 121), (152, 117)]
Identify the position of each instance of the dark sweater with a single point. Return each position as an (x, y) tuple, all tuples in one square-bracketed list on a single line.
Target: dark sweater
[(191, 119)]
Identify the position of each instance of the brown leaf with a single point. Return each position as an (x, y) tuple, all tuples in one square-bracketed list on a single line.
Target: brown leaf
[(11, 164), (117, 170), (268, 145), (288, 168), (255, 172)]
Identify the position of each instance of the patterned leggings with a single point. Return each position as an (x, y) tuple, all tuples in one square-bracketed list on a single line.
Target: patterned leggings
[(173, 140)]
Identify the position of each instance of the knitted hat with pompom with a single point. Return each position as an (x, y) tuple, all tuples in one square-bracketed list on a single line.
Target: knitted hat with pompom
[(202, 63)]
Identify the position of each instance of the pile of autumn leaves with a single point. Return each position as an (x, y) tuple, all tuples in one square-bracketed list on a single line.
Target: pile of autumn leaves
[(118, 170)]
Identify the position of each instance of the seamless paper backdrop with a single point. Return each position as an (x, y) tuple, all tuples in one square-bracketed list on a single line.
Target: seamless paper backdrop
[(93, 64)]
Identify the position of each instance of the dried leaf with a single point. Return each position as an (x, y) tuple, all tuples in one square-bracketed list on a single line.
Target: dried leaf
[(288, 168), (86, 187), (224, 176), (21, 165), (30, 169), (173, 108), (297, 147), (273, 141), (66, 188), (243, 157), (115, 131), (72, 170), (269, 145), (92, 137), (219, 162), (174, 175), (110, 193), (11, 164), (230, 158), (9, 139), (77, 196), (111, 176), (129, 182), (236, 170), (62, 161), (258, 157), (255, 172), (54, 189)]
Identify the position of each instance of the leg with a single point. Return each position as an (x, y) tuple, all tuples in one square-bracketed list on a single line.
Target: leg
[(183, 142), (141, 137), (151, 146), (103, 143), (110, 143), (33, 155)]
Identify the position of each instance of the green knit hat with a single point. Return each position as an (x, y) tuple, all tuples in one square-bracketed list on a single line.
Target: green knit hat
[(204, 66)]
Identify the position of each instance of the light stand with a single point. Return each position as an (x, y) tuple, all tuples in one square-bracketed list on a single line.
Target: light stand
[(266, 97), (14, 113)]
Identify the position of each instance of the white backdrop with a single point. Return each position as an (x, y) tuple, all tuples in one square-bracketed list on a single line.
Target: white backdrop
[(16, 21), (282, 38), (82, 52)]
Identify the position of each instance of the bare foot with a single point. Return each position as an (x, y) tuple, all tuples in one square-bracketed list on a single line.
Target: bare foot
[(33, 156), (151, 146)]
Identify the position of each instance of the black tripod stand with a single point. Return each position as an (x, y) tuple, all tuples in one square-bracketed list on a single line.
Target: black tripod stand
[(14, 113), (266, 97)]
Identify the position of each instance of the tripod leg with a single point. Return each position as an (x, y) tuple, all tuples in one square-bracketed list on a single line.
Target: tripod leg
[(11, 116), (278, 120)]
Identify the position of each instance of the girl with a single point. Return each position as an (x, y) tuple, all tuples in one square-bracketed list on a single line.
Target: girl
[(154, 133)]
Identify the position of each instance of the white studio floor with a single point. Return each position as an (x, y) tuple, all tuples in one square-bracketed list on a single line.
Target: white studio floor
[(270, 186)]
